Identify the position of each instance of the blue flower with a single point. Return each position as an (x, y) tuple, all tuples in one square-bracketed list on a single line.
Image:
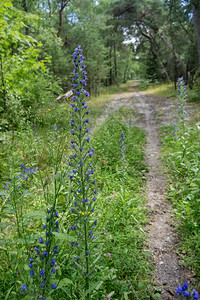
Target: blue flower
[(179, 290), (36, 249), (53, 286), (24, 287), (31, 273), (195, 294), (186, 294), (53, 262), (42, 272), (185, 286), (40, 240)]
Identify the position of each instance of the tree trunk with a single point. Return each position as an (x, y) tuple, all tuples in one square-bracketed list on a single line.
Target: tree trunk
[(26, 10), (63, 4), (110, 73), (115, 64), (175, 54), (60, 21), (196, 19), (3, 83), (172, 42)]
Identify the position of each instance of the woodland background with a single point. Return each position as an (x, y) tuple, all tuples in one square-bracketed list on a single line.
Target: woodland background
[(154, 40)]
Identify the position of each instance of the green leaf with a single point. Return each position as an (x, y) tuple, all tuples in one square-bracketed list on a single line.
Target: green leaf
[(64, 282), (125, 296), (63, 236), (95, 286), (8, 293), (36, 214)]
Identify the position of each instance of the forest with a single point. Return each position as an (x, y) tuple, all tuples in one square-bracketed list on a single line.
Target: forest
[(99, 158)]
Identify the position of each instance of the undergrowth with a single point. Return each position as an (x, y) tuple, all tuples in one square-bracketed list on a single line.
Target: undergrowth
[(182, 159), (42, 148)]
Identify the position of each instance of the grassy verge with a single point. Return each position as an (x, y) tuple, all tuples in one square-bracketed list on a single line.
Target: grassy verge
[(123, 268), (122, 208), (182, 157), (168, 90)]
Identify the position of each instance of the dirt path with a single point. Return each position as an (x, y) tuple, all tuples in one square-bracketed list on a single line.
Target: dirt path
[(152, 112)]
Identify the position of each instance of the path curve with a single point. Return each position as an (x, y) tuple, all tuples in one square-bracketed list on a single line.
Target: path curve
[(151, 113)]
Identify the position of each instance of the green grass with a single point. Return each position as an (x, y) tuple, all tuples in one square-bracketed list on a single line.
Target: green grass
[(168, 90), (122, 208), (182, 157), (123, 266)]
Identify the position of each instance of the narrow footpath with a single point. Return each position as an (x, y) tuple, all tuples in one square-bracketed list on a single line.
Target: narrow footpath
[(161, 236), (151, 113)]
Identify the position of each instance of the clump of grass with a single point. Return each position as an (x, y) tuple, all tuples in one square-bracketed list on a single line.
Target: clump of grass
[(182, 158)]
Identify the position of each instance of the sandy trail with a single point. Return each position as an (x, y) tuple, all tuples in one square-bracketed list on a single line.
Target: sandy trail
[(151, 113)]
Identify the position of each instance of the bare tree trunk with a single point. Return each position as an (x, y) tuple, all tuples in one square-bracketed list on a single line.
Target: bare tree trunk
[(60, 22), (63, 4), (196, 19), (172, 42), (115, 64), (26, 10), (152, 42), (3, 83), (175, 54), (110, 73)]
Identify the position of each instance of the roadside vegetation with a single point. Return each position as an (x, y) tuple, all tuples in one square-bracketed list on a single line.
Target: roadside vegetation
[(180, 146), (36, 189)]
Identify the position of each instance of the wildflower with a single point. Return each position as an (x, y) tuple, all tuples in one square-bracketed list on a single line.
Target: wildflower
[(186, 294), (183, 291), (195, 294), (24, 287), (53, 286), (53, 262), (41, 240), (179, 290), (108, 255), (182, 99), (81, 172), (185, 286)]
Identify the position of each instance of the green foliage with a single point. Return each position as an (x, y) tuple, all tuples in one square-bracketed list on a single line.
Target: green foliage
[(123, 271), (182, 157), (25, 80), (121, 208)]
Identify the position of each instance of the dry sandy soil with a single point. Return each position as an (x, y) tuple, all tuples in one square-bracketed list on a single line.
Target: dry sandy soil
[(152, 112)]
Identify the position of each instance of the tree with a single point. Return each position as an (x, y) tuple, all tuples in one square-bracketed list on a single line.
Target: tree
[(196, 19), (161, 25), (25, 78)]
